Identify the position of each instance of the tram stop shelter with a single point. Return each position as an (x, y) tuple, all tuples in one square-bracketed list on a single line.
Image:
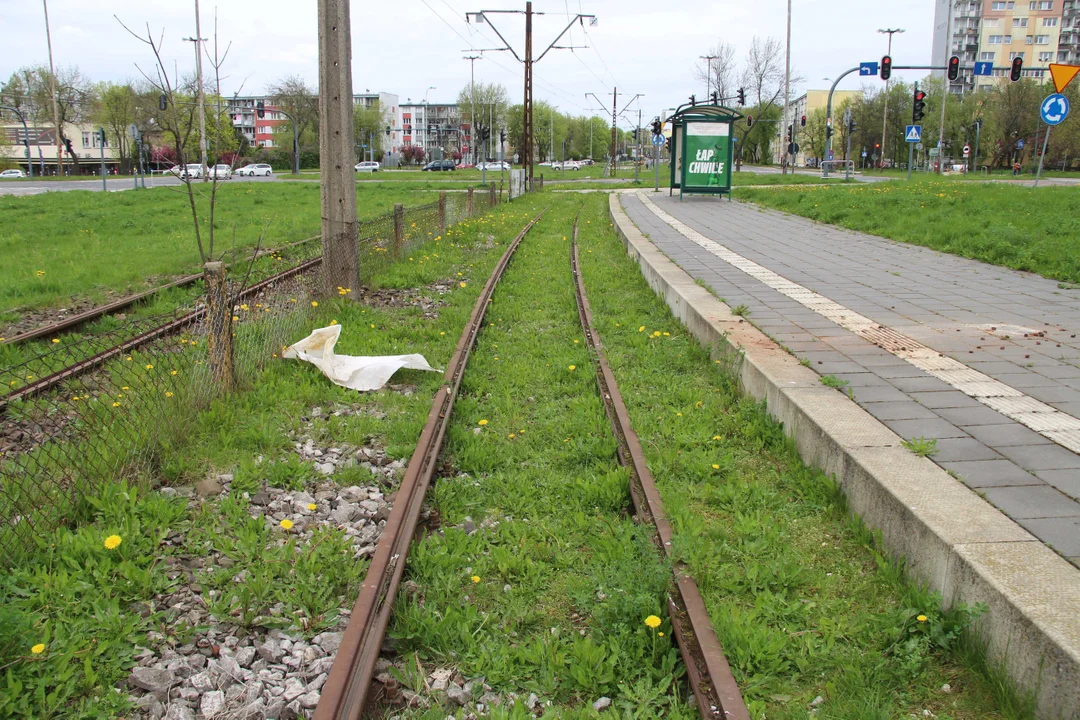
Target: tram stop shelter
[(702, 148)]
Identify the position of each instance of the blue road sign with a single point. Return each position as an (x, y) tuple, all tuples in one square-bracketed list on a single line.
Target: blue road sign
[(1019, 144), (984, 68), (868, 68), (1054, 109), (913, 134), (657, 140)]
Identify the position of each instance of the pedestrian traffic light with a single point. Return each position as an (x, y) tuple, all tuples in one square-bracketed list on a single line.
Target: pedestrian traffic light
[(954, 67), (802, 121), (667, 144), (260, 109), (742, 96), (749, 121), (1017, 68), (163, 102), (886, 67), (918, 109)]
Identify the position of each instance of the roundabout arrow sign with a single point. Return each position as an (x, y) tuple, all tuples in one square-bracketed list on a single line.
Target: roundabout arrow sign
[(1054, 109)]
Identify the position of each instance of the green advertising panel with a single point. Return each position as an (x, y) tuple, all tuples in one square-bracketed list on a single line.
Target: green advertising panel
[(706, 157)]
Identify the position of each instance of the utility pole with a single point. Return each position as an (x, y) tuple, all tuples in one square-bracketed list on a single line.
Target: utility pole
[(472, 99), (52, 80), (198, 40), (944, 91), (614, 129), (708, 73), (885, 116), (787, 86), (341, 264)]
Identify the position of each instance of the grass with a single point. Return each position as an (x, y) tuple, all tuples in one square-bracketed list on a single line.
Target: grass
[(1018, 227), (921, 446), (833, 382), (81, 244)]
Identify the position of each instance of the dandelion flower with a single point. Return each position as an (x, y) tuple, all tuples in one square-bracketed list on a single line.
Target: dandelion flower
[(312, 506), (40, 273), (314, 303), (173, 373), (573, 368), (38, 649), (715, 466), (482, 422), (287, 524), (333, 322), (56, 340), (652, 621), (112, 542), (511, 436), (244, 306), (475, 579), (641, 329), (168, 393), (715, 437), (922, 618), (116, 404), (149, 366), (659, 634), (462, 284)]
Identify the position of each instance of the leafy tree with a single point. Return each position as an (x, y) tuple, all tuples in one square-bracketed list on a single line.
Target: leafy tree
[(293, 95), (491, 102)]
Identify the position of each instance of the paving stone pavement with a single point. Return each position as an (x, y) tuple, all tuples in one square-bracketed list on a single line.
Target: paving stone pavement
[(945, 302)]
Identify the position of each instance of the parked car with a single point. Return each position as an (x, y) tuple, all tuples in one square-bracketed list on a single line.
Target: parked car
[(219, 172), (440, 166), (367, 166), (587, 161), (494, 165), (192, 171), (255, 170), (568, 164), (12, 174)]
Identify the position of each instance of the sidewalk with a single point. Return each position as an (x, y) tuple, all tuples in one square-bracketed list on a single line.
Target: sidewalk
[(983, 360)]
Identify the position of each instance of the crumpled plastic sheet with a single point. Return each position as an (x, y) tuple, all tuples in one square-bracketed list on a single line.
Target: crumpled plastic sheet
[(357, 373)]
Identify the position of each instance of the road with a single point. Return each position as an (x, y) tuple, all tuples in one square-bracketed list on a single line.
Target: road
[(36, 187)]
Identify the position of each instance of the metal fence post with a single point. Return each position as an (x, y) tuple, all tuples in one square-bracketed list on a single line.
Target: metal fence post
[(399, 227), (442, 212), (220, 335), (469, 203)]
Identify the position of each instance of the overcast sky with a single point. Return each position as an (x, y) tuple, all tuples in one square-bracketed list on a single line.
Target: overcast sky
[(405, 46)]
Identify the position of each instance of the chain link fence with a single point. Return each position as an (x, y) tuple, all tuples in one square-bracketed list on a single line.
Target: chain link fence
[(99, 407)]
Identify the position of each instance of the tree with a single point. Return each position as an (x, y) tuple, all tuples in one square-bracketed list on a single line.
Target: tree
[(118, 108), (491, 102), (724, 69), (293, 95), (369, 125), (814, 134)]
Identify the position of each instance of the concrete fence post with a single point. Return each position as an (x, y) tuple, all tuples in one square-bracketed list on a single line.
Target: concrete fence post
[(399, 229), (219, 336), (469, 204), (491, 195)]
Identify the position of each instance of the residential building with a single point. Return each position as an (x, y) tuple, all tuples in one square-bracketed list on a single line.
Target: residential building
[(259, 131), (84, 141), (433, 126), (806, 105), (392, 109), (1039, 32)]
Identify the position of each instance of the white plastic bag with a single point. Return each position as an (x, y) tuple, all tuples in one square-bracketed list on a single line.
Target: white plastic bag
[(357, 373)]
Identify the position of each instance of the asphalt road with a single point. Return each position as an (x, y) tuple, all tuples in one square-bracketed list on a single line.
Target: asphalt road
[(36, 187)]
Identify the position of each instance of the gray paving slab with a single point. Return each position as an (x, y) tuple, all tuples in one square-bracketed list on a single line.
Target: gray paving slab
[(1018, 328)]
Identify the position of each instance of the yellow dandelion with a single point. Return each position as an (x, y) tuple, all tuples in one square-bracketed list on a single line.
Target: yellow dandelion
[(659, 634), (314, 303), (168, 394), (475, 579), (922, 618), (234, 318), (641, 329), (56, 340), (482, 422), (287, 524), (112, 542), (715, 466), (511, 436), (173, 373), (652, 621), (116, 404), (149, 366), (462, 283), (38, 649), (715, 437), (333, 322), (312, 506), (573, 368), (244, 306)]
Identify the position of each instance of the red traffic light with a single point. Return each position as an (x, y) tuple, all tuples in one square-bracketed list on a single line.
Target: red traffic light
[(954, 67), (886, 67), (877, 145), (1017, 68), (802, 121), (749, 121), (920, 96)]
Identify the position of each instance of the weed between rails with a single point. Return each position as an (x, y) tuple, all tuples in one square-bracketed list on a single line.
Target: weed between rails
[(72, 610)]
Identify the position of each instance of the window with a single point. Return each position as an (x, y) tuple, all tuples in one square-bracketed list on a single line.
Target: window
[(1020, 22), (1032, 4), (86, 139), (995, 39), (992, 22), (1050, 22), (1042, 39), (1008, 39), (1045, 4), (998, 5), (1014, 55), (1046, 56), (987, 56), (1028, 40)]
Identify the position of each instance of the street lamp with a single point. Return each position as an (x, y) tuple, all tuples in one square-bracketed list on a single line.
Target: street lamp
[(885, 119), (427, 122), (708, 74)]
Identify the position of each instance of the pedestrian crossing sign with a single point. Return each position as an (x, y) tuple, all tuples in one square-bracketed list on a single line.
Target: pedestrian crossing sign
[(913, 134)]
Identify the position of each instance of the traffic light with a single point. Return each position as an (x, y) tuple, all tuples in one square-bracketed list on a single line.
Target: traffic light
[(67, 144), (790, 132), (667, 144), (918, 109), (802, 121), (485, 133), (693, 100), (502, 136), (715, 98), (954, 67), (387, 131), (851, 125), (828, 131), (635, 135), (101, 135), (656, 127), (742, 96), (1017, 68), (886, 67), (163, 102), (260, 109), (749, 121)]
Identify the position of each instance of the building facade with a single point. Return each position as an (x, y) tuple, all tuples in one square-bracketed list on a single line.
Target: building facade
[(806, 105), (84, 138), (1039, 32), (434, 126)]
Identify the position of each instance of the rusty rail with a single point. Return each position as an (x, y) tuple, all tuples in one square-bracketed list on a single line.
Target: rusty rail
[(124, 302), (346, 690), (714, 687), (83, 366)]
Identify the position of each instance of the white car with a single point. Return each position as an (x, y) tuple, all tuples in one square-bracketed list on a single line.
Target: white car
[(568, 164), (494, 165), (187, 172), (367, 166), (255, 170), (12, 174), (219, 172)]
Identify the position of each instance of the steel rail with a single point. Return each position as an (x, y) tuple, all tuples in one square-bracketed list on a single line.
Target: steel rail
[(346, 690), (714, 686), (124, 302), (83, 366)]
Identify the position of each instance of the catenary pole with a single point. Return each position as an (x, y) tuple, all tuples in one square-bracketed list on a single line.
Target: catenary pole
[(787, 87), (52, 83), (472, 101), (944, 91)]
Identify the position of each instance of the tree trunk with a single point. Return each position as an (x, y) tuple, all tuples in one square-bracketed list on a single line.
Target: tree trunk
[(219, 334)]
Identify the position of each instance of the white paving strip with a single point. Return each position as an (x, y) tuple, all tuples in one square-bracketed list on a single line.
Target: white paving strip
[(1049, 422)]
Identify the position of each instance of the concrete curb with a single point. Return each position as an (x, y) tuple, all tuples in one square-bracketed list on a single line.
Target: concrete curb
[(952, 540)]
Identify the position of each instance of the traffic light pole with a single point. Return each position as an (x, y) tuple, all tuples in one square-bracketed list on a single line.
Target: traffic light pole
[(910, 146)]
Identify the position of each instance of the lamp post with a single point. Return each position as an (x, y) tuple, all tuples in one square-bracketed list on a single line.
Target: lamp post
[(885, 118), (708, 74), (427, 121)]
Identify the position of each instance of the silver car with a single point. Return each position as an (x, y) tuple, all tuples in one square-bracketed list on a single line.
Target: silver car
[(8, 174), (255, 170)]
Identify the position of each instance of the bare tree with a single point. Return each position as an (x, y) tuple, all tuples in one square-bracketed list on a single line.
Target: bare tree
[(724, 66), (293, 95)]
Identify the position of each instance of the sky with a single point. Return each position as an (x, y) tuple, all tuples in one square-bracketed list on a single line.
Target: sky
[(407, 46)]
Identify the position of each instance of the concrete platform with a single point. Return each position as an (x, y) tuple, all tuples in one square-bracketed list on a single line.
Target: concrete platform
[(951, 537)]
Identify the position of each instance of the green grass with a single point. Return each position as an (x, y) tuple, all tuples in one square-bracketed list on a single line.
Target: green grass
[(923, 447), (81, 244), (1018, 227)]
